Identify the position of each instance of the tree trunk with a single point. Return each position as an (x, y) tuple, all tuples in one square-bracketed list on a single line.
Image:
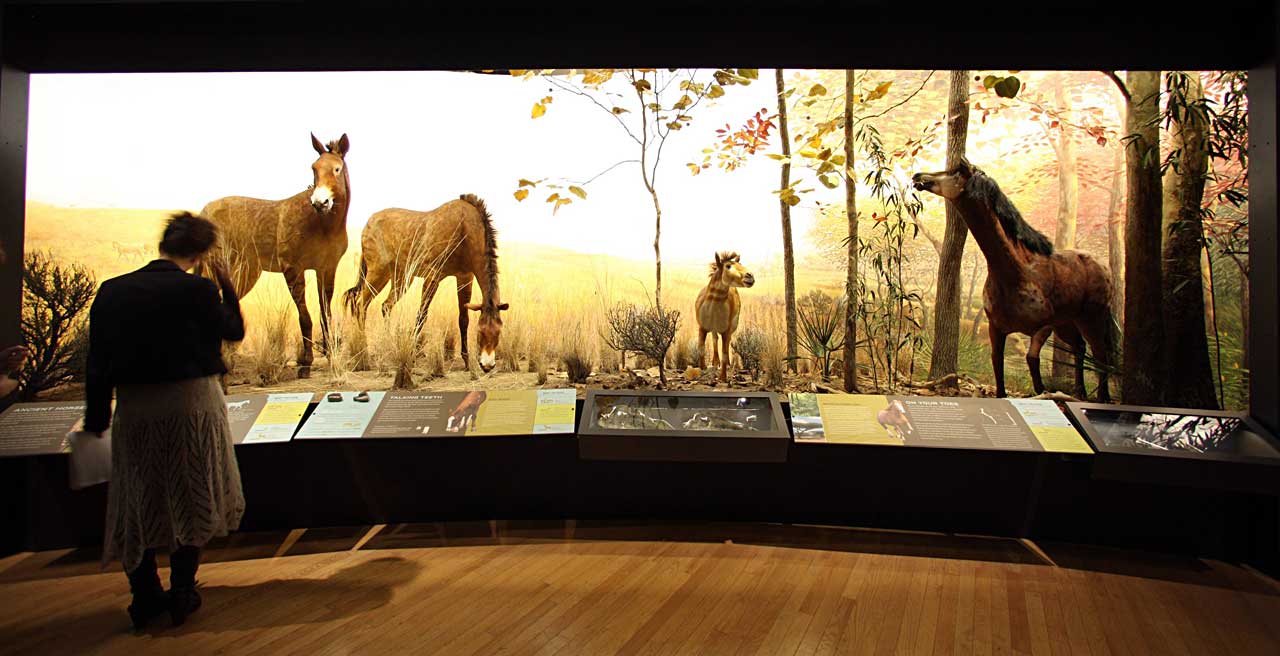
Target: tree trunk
[(1244, 313), (1183, 289), (1064, 237), (1115, 237), (788, 255), (946, 309), (851, 270), (657, 251), (1144, 370)]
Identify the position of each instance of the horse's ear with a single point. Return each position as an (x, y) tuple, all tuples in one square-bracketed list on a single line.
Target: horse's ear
[(737, 258), (964, 166), (718, 260), (344, 144), (504, 306), (315, 143)]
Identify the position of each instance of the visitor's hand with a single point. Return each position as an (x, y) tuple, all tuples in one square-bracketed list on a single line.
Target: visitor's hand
[(12, 358), (223, 276)]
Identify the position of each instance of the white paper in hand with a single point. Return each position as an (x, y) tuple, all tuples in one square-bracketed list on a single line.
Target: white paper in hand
[(90, 458)]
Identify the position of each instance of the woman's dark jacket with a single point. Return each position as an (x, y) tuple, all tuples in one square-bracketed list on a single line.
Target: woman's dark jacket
[(155, 325)]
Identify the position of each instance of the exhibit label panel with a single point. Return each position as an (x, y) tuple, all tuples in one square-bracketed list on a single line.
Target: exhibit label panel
[(263, 418), (401, 414), (941, 422), (32, 429)]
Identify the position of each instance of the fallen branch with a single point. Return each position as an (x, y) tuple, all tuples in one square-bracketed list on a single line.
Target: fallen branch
[(1055, 396)]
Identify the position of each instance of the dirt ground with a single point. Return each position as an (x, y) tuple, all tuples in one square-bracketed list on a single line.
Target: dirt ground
[(458, 378)]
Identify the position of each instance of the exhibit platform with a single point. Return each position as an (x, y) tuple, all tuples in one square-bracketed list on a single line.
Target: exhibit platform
[(995, 467)]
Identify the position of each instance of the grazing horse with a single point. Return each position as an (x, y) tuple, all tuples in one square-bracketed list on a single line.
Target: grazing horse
[(1030, 288), (305, 231), (718, 307), (463, 417), (456, 239)]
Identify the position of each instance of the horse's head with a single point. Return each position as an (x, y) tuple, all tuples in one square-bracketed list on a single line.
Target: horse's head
[(329, 173), (488, 331), (949, 184), (728, 268)]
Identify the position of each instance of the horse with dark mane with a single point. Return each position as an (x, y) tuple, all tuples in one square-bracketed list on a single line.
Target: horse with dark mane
[(456, 239), (1031, 288)]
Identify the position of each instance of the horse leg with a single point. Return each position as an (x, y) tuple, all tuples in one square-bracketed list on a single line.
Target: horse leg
[(399, 285), (1033, 357), (325, 280), (464, 299), (1097, 332), (997, 338), (371, 287), (297, 281), (702, 348), (724, 359), (428, 293), (1070, 336)]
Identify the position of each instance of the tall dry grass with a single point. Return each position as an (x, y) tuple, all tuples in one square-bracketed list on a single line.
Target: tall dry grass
[(270, 341)]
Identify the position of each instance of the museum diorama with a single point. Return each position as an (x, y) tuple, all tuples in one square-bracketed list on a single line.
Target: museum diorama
[(778, 270)]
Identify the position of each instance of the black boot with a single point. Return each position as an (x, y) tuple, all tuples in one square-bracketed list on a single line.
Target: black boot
[(149, 598), (184, 600)]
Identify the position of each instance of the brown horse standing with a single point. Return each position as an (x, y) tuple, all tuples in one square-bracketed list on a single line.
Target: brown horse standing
[(1030, 289), (305, 231), (456, 239), (718, 307)]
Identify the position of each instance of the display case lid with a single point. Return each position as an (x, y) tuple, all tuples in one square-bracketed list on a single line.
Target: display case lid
[(1207, 435), (657, 413)]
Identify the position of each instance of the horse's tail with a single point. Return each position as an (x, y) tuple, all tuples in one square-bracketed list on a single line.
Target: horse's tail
[(351, 298)]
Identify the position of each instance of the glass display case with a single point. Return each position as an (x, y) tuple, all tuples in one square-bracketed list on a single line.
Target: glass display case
[(1212, 448), (698, 426)]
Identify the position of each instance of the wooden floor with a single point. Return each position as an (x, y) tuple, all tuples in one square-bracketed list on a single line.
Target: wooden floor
[(571, 588)]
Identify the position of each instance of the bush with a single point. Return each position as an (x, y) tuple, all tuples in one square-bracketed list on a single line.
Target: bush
[(647, 332), (578, 365), (55, 304), (749, 344), (821, 329)]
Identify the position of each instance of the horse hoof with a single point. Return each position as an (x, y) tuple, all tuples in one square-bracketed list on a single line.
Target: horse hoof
[(304, 371)]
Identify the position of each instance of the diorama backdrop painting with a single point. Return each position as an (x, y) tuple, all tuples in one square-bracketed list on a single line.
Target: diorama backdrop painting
[(556, 157)]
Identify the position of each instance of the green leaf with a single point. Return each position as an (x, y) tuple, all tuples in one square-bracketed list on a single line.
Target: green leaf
[(828, 181), (817, 90), (619, 110), (578, 191), (684, 102), (749, 73), (780, 158), (1008, 87), (642, 85), (990, 81), (716, 91)]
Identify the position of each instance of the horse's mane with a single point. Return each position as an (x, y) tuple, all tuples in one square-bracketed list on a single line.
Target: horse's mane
[(1015, 227), (490, 246), (723, 256)]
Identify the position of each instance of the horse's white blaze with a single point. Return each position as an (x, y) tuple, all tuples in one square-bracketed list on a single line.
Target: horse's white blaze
[(488, 359), (321, 196)]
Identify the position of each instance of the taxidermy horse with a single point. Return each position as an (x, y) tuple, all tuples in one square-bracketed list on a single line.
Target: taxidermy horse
[(305, 231), (1030, 288), (456, 239), (718, 307)]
